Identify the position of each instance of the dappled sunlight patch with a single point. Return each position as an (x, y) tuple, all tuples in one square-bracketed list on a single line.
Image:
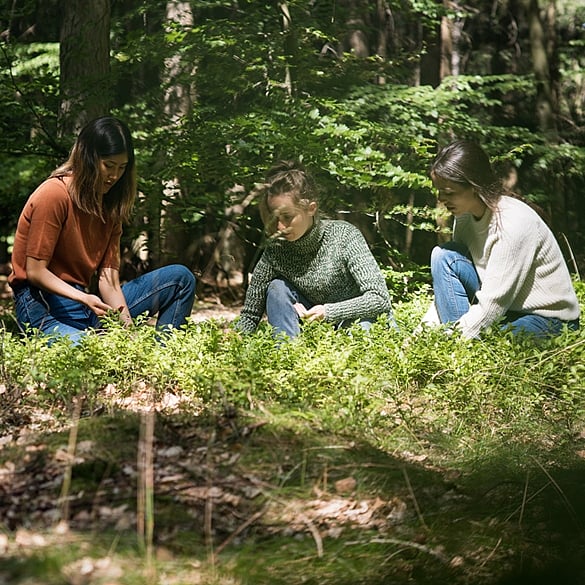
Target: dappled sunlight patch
[(330, 514), (87, 569), (143, 397), (62, 555)]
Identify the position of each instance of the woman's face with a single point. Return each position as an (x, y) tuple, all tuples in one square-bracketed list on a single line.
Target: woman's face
[(459, 198), (291, 221), (111, 169)]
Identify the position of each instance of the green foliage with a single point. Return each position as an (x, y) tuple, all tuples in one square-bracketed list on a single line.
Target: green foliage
[(424, 417), (213, 104), (370, 145), (387, 385), (29, 81), (407, 283)]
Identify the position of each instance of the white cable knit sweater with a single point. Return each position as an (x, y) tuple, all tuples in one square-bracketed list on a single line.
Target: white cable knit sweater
[(520, 266)]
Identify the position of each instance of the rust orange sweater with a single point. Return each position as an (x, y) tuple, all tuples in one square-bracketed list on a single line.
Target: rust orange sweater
[(75, 244)]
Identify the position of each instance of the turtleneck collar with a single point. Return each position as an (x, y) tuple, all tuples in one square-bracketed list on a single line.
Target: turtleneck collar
[(308, 242)]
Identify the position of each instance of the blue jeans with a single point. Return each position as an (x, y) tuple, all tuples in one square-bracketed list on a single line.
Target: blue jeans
[(282, 315), (455, 283), (168, 291)]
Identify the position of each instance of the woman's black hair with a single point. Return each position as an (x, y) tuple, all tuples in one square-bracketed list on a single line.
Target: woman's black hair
[(466, 163)]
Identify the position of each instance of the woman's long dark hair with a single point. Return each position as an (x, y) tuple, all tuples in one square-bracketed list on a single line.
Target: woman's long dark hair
[(466, 163), (100, 138)]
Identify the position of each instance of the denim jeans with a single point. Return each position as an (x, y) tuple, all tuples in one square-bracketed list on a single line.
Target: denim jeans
[(282, 315), (168, 291), (455, 283)]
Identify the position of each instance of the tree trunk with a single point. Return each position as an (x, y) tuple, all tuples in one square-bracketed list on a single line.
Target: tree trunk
[(84, 63), (429, 71), (356, 39), (543, 50), (178, 98), (289, 45), (451, 36), (385, 28)]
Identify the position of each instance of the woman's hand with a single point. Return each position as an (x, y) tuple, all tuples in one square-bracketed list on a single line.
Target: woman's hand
[(110, 290), (40, 276), (315, 313), (97, 305), (300, 309)]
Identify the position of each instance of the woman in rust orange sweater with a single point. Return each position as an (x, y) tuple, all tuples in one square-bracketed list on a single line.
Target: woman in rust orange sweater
[(70, 229)]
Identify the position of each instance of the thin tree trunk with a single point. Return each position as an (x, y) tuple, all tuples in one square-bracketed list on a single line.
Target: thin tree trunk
[(451, 35), (542, 48), (179, 98), (289, 45)]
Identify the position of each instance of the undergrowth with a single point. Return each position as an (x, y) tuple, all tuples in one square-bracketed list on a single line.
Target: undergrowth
[(420, 417), (454, 397)]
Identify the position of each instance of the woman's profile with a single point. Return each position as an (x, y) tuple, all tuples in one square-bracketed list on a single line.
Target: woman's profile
[(503, 265)]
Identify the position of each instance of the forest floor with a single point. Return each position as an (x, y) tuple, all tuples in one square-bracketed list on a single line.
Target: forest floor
[(253, 499), (260, 497), (213, 308)]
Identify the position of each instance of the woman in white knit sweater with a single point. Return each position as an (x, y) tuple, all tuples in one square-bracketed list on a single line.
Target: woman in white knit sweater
[(504, 265)]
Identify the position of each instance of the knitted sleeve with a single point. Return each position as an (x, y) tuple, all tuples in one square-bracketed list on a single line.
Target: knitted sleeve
[(373, 298), (255, 301), (506, 270)]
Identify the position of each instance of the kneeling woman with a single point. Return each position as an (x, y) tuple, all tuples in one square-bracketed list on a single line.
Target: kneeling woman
[(312, 269), (70, 228), (504, 265)]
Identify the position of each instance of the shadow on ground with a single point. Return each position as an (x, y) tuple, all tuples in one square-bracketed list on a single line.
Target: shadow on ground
[(267, 501)]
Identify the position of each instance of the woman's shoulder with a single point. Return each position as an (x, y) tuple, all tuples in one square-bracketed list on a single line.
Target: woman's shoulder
[(517, 212), (52, 189), (340, 227), (49, 198), (508, 202), (519, 225)]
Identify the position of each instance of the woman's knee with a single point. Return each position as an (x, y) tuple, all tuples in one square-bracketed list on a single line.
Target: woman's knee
[(439, 257), (445, 255), (280, 293), (181, 275), (278, 288), (187, 278)]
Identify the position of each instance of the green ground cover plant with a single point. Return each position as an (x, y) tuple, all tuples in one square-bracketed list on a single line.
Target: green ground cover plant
[(340, 457)]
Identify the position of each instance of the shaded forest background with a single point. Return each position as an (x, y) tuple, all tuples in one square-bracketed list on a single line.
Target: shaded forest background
[(363, 91)]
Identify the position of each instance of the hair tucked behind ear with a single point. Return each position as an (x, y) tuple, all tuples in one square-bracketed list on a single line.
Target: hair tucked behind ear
[(286, 177)]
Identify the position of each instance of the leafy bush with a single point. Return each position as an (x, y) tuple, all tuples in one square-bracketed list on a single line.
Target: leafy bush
[(427, 390)]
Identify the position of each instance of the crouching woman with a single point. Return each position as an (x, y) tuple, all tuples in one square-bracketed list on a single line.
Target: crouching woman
[(70, 229), (312, 269), (504, 266)]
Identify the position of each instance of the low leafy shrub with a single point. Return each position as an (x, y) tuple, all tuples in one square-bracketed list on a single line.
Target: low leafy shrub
[(447, 396)]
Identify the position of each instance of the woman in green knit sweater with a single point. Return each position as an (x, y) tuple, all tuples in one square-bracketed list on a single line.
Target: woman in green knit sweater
[(311, 269)]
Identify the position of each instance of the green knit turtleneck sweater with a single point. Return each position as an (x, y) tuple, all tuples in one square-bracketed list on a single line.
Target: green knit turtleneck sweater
[(330, 265)]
